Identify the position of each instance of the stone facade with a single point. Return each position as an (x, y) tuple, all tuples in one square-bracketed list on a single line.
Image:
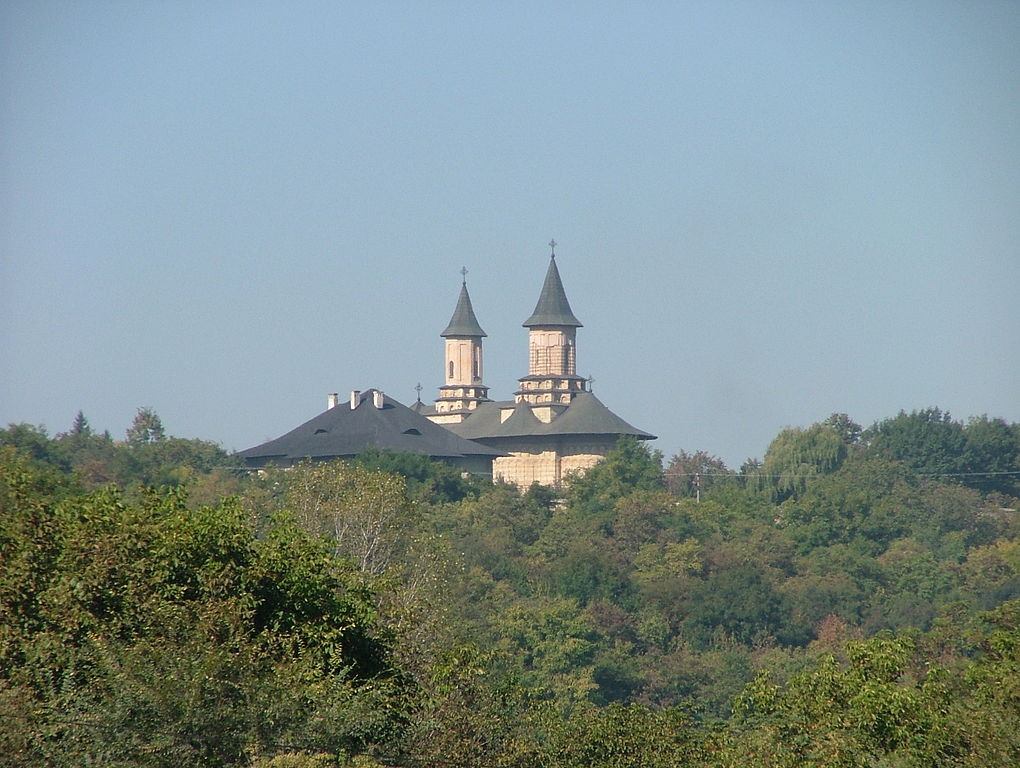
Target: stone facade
[(546, 463)]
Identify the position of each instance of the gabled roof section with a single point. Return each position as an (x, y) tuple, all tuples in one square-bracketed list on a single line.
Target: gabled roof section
[(586, 415), (463, 322), (343, 431), (553, 307), (522, 421), (482, 421)]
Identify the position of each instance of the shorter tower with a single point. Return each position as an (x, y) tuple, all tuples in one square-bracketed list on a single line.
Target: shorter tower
[(463, 389)]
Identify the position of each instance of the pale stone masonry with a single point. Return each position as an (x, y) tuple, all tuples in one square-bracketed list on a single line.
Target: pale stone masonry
[(554, 425)]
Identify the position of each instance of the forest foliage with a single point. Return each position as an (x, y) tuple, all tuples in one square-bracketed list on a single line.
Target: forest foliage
[(851, 599)]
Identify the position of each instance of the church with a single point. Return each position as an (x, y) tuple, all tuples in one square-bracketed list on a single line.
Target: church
[(554, 425)]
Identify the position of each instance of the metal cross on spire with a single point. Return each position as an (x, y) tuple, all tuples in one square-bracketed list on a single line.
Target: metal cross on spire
[(463, 275), (552, 244), (418, 388)]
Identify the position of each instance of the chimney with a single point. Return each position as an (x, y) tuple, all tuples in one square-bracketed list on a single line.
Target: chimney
[(331, 400), (355, 398), (377, 398)]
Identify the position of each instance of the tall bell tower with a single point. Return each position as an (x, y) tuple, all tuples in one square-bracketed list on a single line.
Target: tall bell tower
[(552, 378), (462, 389)]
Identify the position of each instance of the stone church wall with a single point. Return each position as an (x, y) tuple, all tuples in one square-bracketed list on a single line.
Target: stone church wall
[(548, 465)]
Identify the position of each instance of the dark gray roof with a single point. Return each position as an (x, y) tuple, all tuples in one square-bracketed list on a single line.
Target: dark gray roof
[(463, 322), (586, 415), (341, 431), (521, 422), (553, 307)]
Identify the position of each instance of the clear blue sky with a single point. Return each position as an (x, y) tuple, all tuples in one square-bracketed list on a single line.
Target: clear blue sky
[(767, 211)]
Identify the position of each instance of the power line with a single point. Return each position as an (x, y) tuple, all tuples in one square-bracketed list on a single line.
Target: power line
[(681, 473)]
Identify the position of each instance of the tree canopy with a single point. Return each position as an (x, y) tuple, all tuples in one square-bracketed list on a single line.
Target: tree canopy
[(852, 599)]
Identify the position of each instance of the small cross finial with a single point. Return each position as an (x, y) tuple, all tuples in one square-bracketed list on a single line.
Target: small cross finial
[(463, 274), (552, 244), (418, 389), (591, 381)]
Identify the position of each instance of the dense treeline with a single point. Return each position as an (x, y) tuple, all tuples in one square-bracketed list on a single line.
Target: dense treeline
[(851, 599)]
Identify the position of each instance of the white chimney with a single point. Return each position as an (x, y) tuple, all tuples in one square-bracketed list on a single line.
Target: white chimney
[(331, 400), (355, 398), (377, 398)]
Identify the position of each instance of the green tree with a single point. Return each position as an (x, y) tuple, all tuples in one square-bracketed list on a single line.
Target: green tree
[(153, 630), (991, 690), (690, 473), (928, 441), (991, 574), (797, 455), (848, 430), (629, 467), (169, 461), (626, 737), (991, 455), (146, 427), (364, 512), (740, 601), (885, 708), (552, 645), (428, 481), (493, 530), (80, 426), (35, 442)]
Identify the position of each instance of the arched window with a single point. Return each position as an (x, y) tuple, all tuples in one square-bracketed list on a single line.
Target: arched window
[(451, 369)]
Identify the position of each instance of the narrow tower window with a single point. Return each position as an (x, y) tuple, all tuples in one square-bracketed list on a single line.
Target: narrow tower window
[(451, 369)]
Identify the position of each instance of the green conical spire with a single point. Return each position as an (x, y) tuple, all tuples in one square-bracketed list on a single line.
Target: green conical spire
[(553, 307), (463, 322)]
